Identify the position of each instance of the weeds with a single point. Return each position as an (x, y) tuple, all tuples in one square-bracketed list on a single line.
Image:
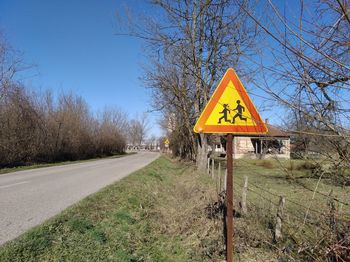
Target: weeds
[(156, 214), (266, 164), (170, 212)]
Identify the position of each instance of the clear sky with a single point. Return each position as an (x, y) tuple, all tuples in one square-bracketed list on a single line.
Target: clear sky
[(73, 45)]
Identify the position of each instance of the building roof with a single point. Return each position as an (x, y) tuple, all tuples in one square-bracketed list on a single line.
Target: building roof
[(275, 132)]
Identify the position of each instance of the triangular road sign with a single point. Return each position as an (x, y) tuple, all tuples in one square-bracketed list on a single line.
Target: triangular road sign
[(230, 110)]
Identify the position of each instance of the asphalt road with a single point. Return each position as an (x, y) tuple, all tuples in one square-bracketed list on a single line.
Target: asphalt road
[(28, 198)]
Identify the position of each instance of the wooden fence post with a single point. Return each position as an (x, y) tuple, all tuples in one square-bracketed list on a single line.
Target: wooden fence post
[(331, 204), (208, 166), (278, 229), (212, 167), (244, 196)]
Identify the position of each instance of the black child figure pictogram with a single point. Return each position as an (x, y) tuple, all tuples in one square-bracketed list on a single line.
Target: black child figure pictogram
[(240, 109), (225, 113)]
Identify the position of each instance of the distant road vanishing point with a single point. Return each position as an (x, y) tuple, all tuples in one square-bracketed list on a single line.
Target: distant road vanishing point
[(28, 198)]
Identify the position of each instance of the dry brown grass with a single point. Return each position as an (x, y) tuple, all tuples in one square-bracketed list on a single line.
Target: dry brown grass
[(169, 212), (266, 163), (187, 214), (195, 214), (157, 214)]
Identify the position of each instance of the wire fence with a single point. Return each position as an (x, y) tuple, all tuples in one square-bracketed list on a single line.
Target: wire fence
[(313, 227)]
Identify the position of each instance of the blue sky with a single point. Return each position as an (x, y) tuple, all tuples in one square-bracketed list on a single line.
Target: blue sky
[(74, 48)]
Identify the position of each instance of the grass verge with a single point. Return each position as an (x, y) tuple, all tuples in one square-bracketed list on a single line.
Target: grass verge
[(170, 212), (315, 214), (155, 214)]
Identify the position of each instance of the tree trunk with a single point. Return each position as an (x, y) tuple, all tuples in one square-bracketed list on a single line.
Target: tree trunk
[(202, 152)]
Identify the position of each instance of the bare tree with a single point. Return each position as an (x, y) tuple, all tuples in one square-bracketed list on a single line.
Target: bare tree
[(19, 126), (309, 71), (36, 127), (7, 65), (112, 131), (138, 129), (192, 43), (10, 65)]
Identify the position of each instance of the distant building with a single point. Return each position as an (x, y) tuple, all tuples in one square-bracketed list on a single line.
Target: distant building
[(276, 143)]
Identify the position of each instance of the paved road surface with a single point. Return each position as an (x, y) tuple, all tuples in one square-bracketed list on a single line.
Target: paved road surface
[(27, 198)]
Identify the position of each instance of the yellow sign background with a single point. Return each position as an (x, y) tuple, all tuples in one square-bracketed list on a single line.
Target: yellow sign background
[(230, 97)]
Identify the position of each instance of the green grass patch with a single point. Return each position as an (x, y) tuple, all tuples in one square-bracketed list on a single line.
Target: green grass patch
[(155, 214), (170, 212), (289, 178), (306, 214)]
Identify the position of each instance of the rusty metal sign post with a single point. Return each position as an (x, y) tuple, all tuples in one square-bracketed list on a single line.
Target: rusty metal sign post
[(229, 200), (230, 111)]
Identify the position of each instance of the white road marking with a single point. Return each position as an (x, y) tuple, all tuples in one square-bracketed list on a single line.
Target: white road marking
[(26, 202), (15, 184)]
